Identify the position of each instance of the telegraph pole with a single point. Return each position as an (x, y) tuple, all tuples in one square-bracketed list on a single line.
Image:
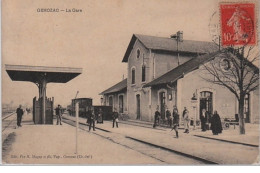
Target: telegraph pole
[(77, 121)]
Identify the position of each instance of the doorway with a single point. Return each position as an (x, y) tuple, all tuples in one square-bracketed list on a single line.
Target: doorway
[(110, 101), (162, 104), (138, 105), (206, 102), (121, 104)]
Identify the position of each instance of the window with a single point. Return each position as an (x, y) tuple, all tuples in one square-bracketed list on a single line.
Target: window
[(143, 73), (138, 52), (133, 75)]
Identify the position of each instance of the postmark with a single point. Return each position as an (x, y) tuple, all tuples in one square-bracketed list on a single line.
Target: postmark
[(214, 28), (238, 24)]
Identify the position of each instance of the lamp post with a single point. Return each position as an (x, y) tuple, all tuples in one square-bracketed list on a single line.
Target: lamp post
[(194, 103)]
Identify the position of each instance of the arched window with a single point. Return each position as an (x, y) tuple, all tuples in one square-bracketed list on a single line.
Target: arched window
[(138, 52), (143, 73), (133, 75)]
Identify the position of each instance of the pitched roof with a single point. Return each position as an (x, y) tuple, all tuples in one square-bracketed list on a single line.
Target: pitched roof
[(170, 45), (116, 88), (181, 70)]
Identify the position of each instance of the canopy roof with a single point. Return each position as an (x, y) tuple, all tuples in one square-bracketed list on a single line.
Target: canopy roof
[(120, 86), (182, 70), (35, 73)]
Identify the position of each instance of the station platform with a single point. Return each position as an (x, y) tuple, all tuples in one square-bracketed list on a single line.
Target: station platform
[(217, 151), (55, 144), (230, 134)]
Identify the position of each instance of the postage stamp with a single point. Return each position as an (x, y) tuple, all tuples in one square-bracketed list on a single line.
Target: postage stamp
[(238, 24)]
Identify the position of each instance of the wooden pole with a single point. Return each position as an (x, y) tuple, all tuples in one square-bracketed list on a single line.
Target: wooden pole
[(77, 125)]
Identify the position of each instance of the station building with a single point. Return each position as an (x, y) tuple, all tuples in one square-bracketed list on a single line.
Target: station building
[(166, 72)]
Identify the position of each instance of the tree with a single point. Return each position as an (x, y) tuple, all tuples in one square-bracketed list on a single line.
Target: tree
[(234, 69)]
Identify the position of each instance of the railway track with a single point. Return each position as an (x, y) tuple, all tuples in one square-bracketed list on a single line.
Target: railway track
[(7, 115), (162, 154), (8, 120)]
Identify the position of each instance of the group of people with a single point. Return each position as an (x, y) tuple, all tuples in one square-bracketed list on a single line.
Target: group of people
[(214, 120), (92, 118), (174, 120)]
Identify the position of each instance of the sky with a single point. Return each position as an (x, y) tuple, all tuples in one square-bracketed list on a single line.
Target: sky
[(95, 39)]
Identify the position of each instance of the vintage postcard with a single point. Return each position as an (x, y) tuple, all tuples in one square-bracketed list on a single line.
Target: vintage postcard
[(130, 82)]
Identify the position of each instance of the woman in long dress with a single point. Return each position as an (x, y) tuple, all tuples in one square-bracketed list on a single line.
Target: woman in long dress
[(216, 125)]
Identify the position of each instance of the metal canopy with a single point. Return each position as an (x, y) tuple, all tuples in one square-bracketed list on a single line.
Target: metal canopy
[(41, 76), (35, 73)]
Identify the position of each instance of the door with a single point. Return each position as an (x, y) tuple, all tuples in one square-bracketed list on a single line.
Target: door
[(206, 102), (138, 105), (121, 104), (110, 101), (162, 104), (247, 108)]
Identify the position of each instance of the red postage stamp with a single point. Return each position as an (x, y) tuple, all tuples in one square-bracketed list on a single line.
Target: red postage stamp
[(238, 24)]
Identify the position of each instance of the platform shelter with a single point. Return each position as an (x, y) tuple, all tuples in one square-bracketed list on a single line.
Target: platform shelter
[(41, 76)]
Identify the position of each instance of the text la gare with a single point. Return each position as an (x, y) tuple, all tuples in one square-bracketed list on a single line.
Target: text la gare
[(73, 10)]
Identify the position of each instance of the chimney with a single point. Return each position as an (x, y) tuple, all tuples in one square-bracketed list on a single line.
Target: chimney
[(178, 36)]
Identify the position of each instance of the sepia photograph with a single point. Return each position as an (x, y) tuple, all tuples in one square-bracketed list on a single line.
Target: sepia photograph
[(130, 82)]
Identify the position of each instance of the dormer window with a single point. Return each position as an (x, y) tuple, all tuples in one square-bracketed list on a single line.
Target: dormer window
[(138, 53)]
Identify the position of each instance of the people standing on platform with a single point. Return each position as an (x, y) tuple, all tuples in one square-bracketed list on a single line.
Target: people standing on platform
[(176, 120), (100, 116), (186, 120), (183, 112), (216, 125), (203, 120), (115, 118), (169, 116), (156, 117), (92, 120), (19, 112), (58, 115)]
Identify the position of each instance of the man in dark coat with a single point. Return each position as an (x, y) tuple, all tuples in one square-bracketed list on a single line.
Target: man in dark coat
[(19, 112), (156, 117), (176, 121), (216, 125), (115, 118), (92, 120), (58, 115), (169, 117)]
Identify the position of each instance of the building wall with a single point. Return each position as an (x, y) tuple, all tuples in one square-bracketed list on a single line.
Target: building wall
[(134, 89), (116, 100), (170, 103), (224, 101), (166, 62), (156, 65), (192, 83)]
